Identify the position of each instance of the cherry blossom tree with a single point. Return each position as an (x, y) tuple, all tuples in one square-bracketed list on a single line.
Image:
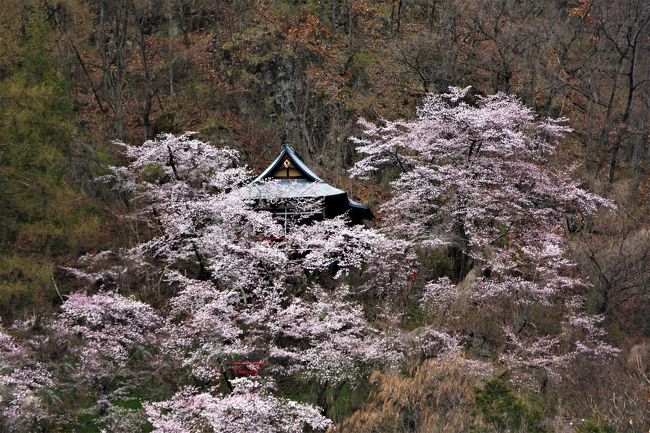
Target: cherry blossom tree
[(322, 335), (109, 329), (475, 178), (247, 264), (250, 407), (24, 386), (244, 287), (471, 176), (328, 339)]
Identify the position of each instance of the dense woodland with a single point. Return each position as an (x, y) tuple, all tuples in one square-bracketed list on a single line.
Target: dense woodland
[(503, 145)]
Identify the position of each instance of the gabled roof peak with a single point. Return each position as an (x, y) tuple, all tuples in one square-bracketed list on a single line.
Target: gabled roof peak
[(287, 153)]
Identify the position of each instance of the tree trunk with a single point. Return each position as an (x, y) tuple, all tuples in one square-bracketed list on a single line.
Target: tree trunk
[(459, 249), (120, 27), (101, 47), (637, 155), (170, 56), (146, 105)]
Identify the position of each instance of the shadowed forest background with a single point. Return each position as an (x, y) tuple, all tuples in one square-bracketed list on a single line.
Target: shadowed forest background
[(252, 74)]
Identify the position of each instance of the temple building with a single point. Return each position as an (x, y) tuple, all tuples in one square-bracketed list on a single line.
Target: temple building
[(288, 179)]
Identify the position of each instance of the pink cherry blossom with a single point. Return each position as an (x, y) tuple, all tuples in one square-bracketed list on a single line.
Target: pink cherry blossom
[(249, 408)]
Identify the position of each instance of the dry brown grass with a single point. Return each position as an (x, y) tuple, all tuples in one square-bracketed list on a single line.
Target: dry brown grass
[(437, 396)]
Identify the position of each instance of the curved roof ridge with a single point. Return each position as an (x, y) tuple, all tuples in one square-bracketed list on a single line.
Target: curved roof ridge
[(287, 151)]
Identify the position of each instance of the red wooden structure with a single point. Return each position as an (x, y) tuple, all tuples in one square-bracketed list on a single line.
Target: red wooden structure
[(243, 368)]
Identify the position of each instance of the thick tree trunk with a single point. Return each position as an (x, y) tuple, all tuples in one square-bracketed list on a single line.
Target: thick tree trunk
[(459, 250)]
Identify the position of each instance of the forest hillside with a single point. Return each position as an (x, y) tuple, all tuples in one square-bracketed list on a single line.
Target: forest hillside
[(503, 147)]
